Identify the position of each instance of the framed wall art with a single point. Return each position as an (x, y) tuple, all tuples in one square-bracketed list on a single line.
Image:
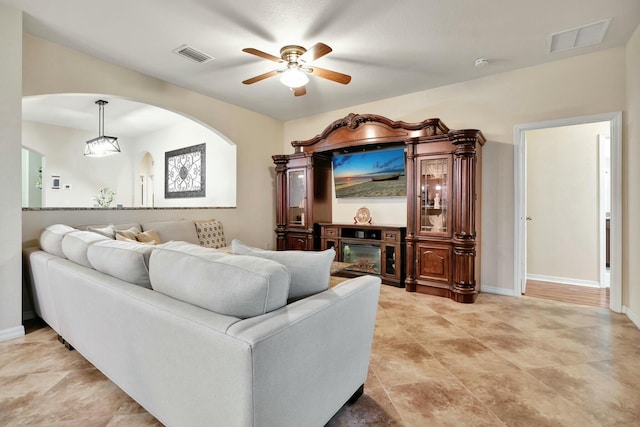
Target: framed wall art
[(185, 172)]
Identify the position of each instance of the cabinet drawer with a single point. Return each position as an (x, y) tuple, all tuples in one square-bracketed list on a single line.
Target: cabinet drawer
[(297, 242), (391, 236), (330, 232), (434, 263)]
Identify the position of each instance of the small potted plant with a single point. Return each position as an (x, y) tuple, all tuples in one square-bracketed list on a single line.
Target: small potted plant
[(105, 197)]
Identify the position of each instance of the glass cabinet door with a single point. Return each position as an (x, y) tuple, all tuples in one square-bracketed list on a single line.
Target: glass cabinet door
[(434, 195), (297, 196)]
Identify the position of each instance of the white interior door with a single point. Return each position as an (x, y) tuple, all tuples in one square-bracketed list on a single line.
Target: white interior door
[(520, 211)]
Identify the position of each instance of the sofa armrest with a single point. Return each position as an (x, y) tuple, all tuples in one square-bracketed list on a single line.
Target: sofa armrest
[(314, 353), (36, 274)]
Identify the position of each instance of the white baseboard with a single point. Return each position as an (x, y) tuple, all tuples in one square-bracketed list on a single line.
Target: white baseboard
[(497, 291), (563, 280), (11, 333), (631, 315)]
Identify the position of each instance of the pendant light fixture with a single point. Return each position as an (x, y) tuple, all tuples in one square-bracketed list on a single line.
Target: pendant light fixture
[(102, 145)]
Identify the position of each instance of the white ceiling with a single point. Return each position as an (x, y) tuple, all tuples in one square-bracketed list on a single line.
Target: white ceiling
[(389, 48), (122, 117)]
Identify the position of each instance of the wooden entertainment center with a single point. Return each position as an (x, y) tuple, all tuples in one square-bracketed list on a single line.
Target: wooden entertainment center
[(438, 251)]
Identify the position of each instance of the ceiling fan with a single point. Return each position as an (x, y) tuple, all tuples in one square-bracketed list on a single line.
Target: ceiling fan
[(294, 70)]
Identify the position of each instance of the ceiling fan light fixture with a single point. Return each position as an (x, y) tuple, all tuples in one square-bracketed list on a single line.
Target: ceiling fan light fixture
[(102, 145), (294, 78)]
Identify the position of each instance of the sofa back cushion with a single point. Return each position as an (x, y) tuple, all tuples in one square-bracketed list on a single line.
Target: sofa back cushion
[(227, 284), (76, 244), (181, 230), (128, 261), (51, 238), (107, 231), (310, 271)]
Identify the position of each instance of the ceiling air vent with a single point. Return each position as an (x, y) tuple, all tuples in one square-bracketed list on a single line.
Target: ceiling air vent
[(578, 37), (193, 54)]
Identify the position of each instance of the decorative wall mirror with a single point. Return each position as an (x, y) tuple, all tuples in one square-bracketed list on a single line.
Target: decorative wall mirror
[(55, 129)]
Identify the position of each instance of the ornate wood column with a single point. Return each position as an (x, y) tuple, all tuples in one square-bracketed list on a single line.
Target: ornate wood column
[(410, 282), (281, 161), (464, 215)]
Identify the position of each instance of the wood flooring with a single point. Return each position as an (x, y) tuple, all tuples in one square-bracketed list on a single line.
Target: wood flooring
[(585, 295)]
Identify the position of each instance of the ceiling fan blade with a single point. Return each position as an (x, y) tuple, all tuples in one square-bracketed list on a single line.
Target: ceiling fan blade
[(299, 91), (261, 54), (260, 77), (331, 75), (316, 51)]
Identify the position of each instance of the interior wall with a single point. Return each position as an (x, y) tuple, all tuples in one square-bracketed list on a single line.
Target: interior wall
[(563, 202), (10, 164), (574, 87), (81, 177), (630, 182), (220, 164), (51, 68)]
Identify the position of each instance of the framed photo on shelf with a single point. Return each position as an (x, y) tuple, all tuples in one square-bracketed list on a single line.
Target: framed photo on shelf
[(185, 172)]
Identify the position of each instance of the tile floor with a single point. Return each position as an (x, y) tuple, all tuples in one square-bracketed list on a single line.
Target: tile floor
[(501, 361)]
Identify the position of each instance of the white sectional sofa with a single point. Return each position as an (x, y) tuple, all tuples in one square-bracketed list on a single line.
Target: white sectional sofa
[(199, 337)]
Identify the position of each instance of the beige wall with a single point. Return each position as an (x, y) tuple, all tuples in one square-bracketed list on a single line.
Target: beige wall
[(580, 86), (631, 183), (50, 68), (563, 202), (10, 163)]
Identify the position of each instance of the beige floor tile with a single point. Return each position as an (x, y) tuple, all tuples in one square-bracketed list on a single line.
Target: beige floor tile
[(81, 395), (43, 357), (17, 392), (389, 332), (405, 364), (578, 345), (519, 399), (426, 329), (467, 355), (374, 408), (621, 372), (481, 324), (609, 401), (524, 351), (137, 420), (440, 402)]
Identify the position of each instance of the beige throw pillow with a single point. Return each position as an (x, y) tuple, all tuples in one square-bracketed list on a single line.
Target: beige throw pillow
[(149, 236), (211, 234), (129, 234)]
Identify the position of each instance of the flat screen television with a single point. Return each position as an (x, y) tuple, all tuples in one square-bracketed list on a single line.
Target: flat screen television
[(374, 173)]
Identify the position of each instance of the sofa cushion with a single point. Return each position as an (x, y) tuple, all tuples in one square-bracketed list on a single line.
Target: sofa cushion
[(128, 261), (310, 271), (232, 285), (182, 230), (51, 238), (76, 244), (107, 231), (210, 234)]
